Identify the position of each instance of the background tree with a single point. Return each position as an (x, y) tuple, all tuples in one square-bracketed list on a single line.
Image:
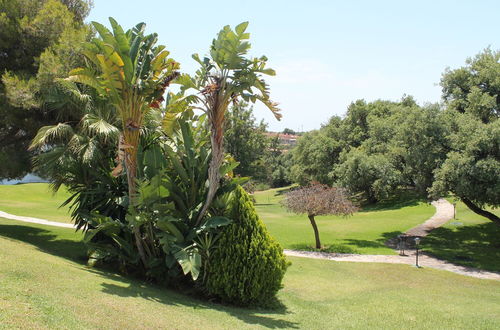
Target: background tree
[(373, 175), (224, 77), (471, 170), (472, 167), (289, 131), (475, 88), (40, 41), (318, 199), (245, 140), (277, 163)]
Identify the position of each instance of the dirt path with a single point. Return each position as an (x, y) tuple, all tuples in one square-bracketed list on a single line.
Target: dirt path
[(444, 212)]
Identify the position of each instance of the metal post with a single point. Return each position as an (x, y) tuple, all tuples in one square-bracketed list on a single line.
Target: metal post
[(417, 258), (417, 242)]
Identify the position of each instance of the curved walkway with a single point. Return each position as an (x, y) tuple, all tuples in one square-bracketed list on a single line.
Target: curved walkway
[(424, 261), (441, 216), (35, 220), (444, 213)]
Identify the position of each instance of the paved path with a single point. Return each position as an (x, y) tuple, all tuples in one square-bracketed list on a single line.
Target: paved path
[(36, 220), (441, 216), (424, 261), (444, 213)]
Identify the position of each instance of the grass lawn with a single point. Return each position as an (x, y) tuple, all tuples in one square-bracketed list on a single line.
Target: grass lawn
[(470, 240), (365, 232), (44, 284), (34, 200)]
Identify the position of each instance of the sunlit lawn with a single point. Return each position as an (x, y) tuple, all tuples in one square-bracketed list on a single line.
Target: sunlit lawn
[(44, 284), (365, 232), (34, 200)]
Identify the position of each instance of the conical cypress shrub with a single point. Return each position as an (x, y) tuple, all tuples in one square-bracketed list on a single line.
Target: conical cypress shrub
[(248, 265)]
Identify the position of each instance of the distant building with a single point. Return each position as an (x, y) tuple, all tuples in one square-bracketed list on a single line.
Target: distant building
[(287, 140)]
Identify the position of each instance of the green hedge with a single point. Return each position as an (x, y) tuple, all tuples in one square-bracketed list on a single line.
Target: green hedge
[(248, 266)]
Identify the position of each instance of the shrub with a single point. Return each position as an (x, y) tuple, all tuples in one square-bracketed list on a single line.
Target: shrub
[(248, 266)]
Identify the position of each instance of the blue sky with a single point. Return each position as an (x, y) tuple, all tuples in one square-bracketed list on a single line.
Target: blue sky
[(327, 53)]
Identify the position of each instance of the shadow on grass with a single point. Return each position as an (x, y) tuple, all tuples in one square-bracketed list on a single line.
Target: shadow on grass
[(331, 248), (284, 191), (400, 199), (351, 245), (54, 242), (47, 241), (475, 246), (261, 317)]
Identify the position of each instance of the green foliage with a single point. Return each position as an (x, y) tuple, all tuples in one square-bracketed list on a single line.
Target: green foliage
[(226, 76), (245, 140), (472, 169), (373, 175), (41, 40), (316, 153), (378, 147), (248, 265), (475, 88)]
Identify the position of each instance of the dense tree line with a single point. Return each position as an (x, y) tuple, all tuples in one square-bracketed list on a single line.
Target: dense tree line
[(381, 146)]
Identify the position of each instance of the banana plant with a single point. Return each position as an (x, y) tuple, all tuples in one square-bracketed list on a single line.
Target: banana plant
[(174, 197), (226, 75), (133, 73)]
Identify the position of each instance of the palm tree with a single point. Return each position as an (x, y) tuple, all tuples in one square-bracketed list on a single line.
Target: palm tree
[(226, 76), (133, 74), (78, 154)]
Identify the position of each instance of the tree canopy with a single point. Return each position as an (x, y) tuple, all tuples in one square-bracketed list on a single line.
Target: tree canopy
[(40, 42)]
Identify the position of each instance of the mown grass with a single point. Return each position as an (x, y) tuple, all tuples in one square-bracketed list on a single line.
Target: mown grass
[(470, 240), (365, 232), (44, 284), (34, 200)]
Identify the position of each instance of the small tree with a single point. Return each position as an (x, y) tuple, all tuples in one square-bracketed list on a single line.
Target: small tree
[(318, 199)]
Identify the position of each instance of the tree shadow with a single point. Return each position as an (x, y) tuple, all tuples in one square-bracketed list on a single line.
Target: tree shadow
[(283, 191), (475, 246), (391, 205), (46, 241), (402, 198), (263, 317), (49, 241), (330, 248)]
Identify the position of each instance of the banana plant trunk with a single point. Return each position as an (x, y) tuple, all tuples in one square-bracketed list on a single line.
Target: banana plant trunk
[(213, 171), (131, 131), (216, 120)]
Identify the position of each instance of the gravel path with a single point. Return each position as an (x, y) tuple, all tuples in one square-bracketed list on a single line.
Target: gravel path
[(444, 212)]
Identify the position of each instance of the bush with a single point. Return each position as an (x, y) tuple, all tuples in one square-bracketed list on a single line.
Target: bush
[(248, 266)]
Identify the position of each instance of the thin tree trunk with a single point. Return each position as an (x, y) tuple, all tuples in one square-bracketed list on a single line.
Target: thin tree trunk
[(316, 232), (216, 120), (132, 141), (213, 176), (480, 211)]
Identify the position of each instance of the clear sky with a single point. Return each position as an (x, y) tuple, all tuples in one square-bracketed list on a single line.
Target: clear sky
[(327, 53)]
